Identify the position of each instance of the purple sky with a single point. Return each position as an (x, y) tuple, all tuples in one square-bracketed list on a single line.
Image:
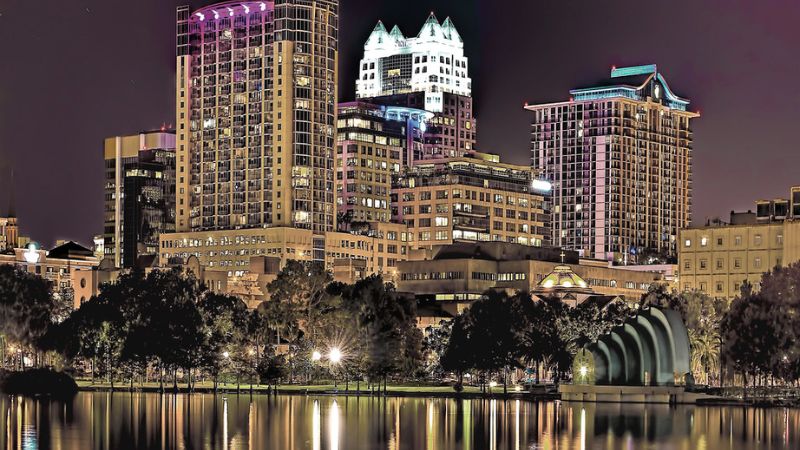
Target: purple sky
[(77, 71)]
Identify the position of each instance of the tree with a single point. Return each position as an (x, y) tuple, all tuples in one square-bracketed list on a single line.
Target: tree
[(226, 324), (26, 306), (434, 345), (388, 324), (761, 330), (297, 293)]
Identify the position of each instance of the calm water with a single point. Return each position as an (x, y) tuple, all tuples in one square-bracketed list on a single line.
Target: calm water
[(205, 421)]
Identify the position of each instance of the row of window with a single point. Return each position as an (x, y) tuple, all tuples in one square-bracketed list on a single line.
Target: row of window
[(737, 240)]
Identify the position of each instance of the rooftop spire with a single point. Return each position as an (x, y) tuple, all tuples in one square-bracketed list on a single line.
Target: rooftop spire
[(431, 27), (396, 33), (378, 35), (12, 210), (449, 30)]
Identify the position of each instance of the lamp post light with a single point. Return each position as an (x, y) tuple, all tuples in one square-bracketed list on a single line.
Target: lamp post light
[(335, 357)]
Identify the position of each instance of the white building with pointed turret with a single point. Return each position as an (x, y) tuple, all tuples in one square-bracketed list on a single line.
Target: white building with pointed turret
[(432, 62)]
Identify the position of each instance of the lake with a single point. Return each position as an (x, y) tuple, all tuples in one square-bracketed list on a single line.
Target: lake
[(97, 420)]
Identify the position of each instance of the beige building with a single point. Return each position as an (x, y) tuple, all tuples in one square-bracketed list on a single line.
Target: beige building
[(717, 259), (9, 233), (472, 198), (69, 267), (454, 276), (244, 261)]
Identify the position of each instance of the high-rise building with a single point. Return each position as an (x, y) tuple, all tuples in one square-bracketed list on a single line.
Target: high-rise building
[(432, 62), (471, 198), (374, 144), (139, 194), (619, 156), (429, 72), (256, 110)]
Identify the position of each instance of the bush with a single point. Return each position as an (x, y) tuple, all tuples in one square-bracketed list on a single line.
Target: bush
[(458, 387), (35, 382)]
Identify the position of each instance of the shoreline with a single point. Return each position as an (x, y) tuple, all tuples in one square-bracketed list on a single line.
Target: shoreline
[(419, 392), (404, 391)]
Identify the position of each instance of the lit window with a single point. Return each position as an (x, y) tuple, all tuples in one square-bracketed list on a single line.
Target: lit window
[(688, 243)]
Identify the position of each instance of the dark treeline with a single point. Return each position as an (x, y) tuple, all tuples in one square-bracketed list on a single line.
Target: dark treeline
[(166, 326)]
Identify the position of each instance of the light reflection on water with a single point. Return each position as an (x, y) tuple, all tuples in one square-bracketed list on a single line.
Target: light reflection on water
[(103, 421)]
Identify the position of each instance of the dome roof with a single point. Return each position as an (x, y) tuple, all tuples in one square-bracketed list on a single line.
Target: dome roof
[(563, 278)]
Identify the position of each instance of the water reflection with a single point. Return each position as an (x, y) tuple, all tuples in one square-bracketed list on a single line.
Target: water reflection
[(202, 421)]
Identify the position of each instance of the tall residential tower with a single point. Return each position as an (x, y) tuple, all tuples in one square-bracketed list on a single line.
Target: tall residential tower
[(619, 156), (256, 110)]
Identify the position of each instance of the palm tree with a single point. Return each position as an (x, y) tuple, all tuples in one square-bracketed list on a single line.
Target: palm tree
[(705, 348)]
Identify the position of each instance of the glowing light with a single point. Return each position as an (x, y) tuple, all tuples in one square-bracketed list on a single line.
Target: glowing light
[(246, 9), (541, 185), (31, 255), (518, 388), (316, 356), (492, 384), (566, 283), (263, 6), (548, 284), (230, 11), (226, 355), (216, 14), (335, 355), (583, 371), (201, 16)]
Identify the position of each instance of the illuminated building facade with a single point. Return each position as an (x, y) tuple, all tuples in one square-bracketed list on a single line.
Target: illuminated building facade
[(432, 62), (427, 72), (256, 110), (139, 194), (619, 156), (719, 258), (471, 198), (374, 143)]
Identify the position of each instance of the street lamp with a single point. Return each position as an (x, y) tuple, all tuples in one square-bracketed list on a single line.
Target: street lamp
[(316, 355), (335, 357)]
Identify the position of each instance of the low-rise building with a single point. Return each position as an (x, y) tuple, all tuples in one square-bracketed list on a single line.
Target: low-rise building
[(244, 261), (71, 268), (454, 276), (718, 258)]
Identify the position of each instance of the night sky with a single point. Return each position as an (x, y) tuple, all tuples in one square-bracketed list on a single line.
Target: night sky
[(76, 71)]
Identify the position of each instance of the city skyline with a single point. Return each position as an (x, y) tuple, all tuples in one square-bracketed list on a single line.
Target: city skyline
[(129, 87)]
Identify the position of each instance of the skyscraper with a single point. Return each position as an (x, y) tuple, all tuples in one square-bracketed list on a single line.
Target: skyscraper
[(430, 72), (619, 155), (256, 109), (139, 194)]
